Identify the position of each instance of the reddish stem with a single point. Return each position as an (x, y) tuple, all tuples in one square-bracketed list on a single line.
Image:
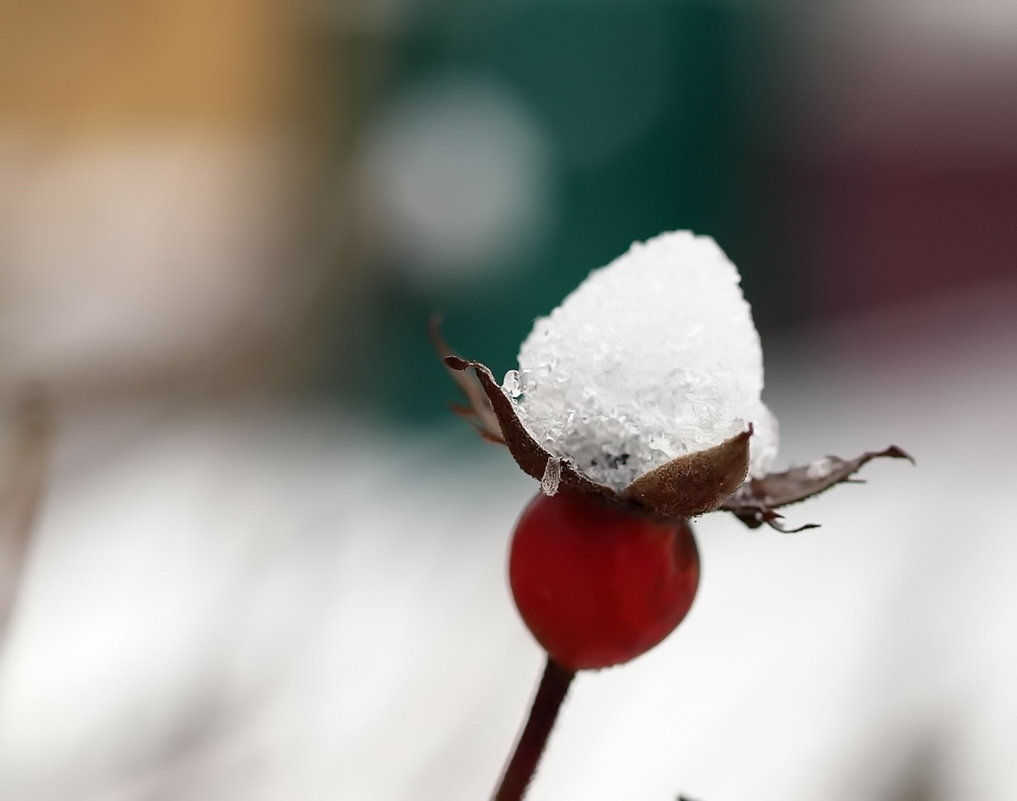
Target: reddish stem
[(554, 685)]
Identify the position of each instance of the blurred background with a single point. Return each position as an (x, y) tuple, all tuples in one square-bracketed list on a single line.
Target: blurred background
[(253, 557)]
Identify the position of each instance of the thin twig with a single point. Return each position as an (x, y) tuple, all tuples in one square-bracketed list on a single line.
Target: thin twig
[(554, 686), (21, 492)]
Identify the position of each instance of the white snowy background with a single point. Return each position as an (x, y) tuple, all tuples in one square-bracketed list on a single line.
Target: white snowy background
[(232, 595), (276, 603)]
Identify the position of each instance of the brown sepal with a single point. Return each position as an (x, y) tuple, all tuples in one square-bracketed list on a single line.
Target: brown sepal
[(694, 483), (689, 485), (754, 503), (524, 448), (479, 411), (684, 487)]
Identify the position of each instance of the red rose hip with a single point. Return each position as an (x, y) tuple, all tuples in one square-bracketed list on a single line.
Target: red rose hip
[(598, 584)]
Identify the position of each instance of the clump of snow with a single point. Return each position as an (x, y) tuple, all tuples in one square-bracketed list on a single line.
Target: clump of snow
[(651, 357)]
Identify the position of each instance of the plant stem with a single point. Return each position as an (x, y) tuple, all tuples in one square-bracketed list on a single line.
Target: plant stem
[(554, 685), (21, 493)]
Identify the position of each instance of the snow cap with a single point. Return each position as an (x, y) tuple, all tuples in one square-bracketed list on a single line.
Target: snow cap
[(652, 357)]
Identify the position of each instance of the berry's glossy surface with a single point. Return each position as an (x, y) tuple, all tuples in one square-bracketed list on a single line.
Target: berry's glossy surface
[(596, 584)]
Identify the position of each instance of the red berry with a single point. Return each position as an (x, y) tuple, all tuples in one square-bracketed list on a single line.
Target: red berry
[(598, 584)]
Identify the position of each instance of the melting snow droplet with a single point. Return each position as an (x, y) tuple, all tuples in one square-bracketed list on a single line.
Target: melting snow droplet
[(511, 384), (552, 476)]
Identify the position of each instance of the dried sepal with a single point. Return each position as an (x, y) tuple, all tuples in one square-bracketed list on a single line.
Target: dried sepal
[(529, 455), (695, 483), (479, 412), (774, 520), (690, 485), (755, 501)]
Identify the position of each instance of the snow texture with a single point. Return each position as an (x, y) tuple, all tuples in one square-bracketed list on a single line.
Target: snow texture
[(650, 358), (552, 476)]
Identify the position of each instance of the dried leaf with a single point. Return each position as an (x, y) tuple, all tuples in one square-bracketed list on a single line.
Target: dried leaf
[(695, 483), (754, 503)]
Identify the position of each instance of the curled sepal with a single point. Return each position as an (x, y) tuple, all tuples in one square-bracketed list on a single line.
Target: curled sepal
[(696, 482), (528, 454), (755, 501), (478, 411)]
